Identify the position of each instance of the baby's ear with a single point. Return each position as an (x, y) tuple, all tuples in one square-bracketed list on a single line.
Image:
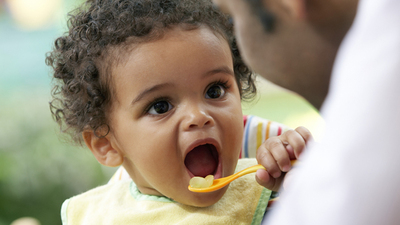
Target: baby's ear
[(102, 149)]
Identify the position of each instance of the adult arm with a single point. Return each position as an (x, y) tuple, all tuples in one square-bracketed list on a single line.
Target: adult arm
[(352, 175)]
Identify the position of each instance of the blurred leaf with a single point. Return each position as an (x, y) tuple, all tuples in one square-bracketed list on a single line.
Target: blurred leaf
[(37, 171)]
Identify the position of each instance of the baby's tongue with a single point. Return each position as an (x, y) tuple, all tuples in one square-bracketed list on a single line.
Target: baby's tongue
[(201, 161)]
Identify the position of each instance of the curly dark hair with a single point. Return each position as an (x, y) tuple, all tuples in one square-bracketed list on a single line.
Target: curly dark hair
[(81, 57)]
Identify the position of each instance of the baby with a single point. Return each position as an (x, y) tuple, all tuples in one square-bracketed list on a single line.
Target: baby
[(156, 86)]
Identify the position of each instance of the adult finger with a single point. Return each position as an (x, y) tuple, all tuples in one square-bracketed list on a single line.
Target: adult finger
[(265, 158), (277, 149), (295, 140)]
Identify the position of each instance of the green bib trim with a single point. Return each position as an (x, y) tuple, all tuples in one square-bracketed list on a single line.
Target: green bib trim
[(261, 207), (142, 197)]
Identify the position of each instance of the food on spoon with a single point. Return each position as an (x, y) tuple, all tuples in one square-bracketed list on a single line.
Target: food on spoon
[(200, 182)]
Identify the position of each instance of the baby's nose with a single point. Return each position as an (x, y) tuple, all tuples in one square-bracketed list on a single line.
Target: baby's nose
[(197, 116)]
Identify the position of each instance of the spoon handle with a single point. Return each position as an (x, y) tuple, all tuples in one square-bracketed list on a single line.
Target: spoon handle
[(248, 170), (252, 169)]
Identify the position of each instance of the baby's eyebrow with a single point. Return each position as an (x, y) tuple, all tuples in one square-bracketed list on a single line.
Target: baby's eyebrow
[(149, 90), (222, 69)]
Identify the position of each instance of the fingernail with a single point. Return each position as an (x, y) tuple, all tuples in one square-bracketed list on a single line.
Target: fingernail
[(276, 175), (286, 168)]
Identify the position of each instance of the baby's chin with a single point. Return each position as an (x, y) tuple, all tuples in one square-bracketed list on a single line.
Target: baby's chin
[(201, 199)]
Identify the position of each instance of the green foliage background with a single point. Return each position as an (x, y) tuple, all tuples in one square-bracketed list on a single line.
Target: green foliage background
[(38, 171)]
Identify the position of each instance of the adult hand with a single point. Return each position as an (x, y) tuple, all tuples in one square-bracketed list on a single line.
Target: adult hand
[(276, 153)]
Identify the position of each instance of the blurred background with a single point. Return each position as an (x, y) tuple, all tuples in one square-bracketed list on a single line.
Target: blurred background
[(38, 171)]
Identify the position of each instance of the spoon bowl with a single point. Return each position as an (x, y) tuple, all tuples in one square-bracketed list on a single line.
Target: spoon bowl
[(222, 182)]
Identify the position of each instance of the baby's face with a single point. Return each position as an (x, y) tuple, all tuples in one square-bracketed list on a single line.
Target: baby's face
[(177, 114)]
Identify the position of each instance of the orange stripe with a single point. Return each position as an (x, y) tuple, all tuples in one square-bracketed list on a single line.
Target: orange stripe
[(259, 134), (267, 131)]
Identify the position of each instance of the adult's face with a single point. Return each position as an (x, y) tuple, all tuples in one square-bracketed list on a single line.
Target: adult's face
[(299, 51)]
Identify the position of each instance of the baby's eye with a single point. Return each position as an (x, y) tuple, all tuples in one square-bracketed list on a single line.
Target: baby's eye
[(215, 91), (160, 107)]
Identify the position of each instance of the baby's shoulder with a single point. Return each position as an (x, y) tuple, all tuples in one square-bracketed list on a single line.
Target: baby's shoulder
[(96, 199), (103, 191)]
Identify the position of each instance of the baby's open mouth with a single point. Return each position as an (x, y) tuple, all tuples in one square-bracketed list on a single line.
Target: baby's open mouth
[(202, 160)]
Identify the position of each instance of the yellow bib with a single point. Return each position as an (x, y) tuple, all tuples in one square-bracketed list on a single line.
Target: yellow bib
[(121, 203)]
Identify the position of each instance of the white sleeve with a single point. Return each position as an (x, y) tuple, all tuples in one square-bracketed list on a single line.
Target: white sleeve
[(353, 175)]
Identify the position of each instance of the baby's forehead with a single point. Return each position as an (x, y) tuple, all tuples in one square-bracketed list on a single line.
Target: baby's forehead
[(118, 55), (177, 51)]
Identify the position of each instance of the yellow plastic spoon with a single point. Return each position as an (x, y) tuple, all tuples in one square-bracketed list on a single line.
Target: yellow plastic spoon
[(222, 182)]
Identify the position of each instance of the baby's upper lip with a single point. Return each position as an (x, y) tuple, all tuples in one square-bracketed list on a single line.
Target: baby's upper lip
[(204, 141)]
